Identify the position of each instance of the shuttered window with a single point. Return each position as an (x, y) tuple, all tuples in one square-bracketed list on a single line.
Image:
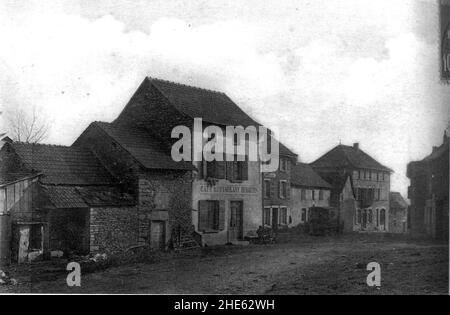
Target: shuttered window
[(266, 216), (283, 215), (211, 216), (267, 188), (283, 189)]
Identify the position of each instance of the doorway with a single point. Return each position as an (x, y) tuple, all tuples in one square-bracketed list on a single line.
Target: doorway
[(275, 218), (364, 220), (236, 226), (158, 235)]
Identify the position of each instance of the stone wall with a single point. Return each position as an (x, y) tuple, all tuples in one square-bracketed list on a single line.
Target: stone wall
[(113, 229), (164, 196)]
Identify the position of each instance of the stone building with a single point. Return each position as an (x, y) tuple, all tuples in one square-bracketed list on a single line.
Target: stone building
[(398, 213), (428, 193), (161, 187), (308, 190), (225, 196), (62, 199), (277, 197), (356, 175)]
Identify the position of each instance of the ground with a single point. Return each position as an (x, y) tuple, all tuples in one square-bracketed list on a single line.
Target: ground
[(304, 265)]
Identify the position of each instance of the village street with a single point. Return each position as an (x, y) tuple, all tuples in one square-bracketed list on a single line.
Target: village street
[(303, 266)]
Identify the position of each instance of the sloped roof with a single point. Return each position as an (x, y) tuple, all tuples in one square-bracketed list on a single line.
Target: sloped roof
[(65, 197), (337, 180), (62, 165), (348, 156), (212, 106), (438, 152), (70, 197), (303, 175), (397, 200), (8, 178), (143, 147)]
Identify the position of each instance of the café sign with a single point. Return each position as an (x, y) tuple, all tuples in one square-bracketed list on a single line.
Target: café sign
[(228, 189)]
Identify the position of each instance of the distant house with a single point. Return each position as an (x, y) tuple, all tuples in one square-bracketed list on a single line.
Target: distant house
[(4, 139), (398, 213), (350, 169), (277, 192), (63, 199), (308, 190), (429, 193)]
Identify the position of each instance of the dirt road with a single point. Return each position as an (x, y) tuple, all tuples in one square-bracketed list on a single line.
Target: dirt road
[(305, 266)]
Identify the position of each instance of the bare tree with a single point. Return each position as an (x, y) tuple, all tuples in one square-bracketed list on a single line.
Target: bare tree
[(27, 126)]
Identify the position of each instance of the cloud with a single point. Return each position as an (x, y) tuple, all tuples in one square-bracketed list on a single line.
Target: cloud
[(323, 73)]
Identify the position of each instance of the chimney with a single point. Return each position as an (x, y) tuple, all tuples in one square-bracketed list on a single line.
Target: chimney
[(356, 146)]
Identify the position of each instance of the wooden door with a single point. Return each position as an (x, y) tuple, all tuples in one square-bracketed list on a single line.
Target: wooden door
[(236, 227)]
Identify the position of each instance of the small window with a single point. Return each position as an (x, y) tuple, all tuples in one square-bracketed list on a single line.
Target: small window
[(267, 216), (321, 194), (303, 194), (283, 189), (283, 165), (283, 215), (267, 188), (303, 218), (313, 194)]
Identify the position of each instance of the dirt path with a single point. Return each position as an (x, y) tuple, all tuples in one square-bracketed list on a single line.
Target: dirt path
[(330, 267)]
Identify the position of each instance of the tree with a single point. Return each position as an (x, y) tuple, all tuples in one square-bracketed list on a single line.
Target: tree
[(27, 126)]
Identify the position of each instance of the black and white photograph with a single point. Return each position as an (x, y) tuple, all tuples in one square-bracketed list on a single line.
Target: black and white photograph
[(224, 154)]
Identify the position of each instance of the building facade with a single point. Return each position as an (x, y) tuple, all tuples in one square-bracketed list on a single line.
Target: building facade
[(277, 192), (308, 190), (369, 184), (398, 214), (226, 198), (429, 193)]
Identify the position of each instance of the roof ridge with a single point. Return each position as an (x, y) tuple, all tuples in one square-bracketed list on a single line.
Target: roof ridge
[(186, 85), (41, 144)]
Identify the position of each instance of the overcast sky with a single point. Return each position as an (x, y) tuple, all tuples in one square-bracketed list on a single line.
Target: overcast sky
[(322, 72)]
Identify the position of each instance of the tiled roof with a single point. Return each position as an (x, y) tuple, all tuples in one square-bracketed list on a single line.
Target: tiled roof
[(143, 147), (8, 178), (212, 106), (397, 200), (62, 165), (303, 175), (348, 156), (65, 197), (336, 180), (438, 151), (70, 197)]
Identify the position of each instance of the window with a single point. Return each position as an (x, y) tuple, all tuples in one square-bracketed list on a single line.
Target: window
[(266, 216), (320, 194), (303, 218), (283, 165), (283, 189), (370, 175), (239, 168), (215, 169), (359, 216), (356, 174), (313, 194), (283, 215), (361, 174), (303, 194), (383, 217), (370, 216), (267, 188), (211, 215), (377, 213)]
